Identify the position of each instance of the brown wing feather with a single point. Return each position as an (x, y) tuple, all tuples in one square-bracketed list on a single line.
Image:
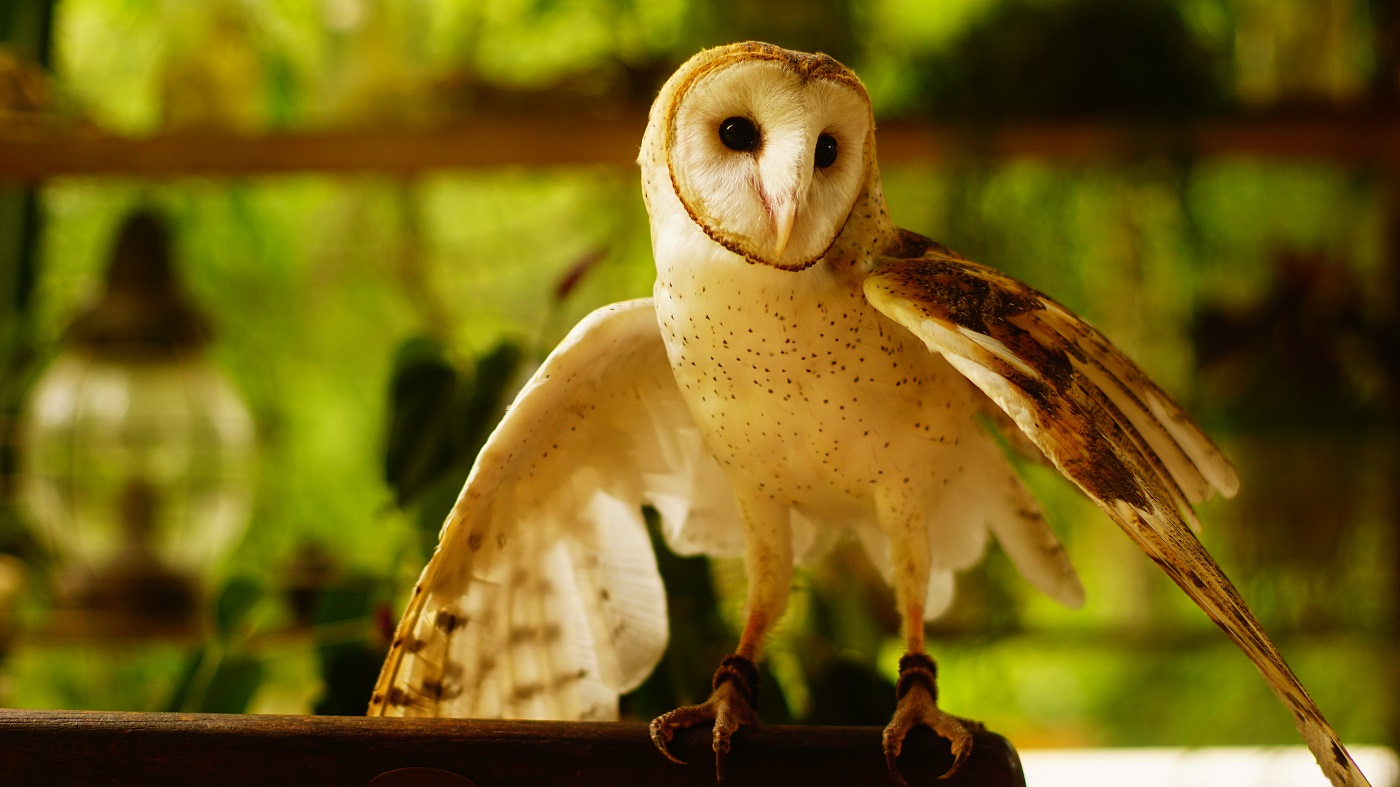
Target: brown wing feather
[(1107, 428)]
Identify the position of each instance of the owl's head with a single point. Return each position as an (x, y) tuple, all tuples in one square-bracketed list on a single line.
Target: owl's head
[(766, 149)]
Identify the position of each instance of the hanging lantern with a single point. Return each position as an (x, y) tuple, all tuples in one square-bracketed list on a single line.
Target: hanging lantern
[(138, 453)]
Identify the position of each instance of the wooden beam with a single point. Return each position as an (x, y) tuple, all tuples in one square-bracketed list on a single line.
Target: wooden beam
[(536, 141), (1345, 138), (92, 747), (552, 140)]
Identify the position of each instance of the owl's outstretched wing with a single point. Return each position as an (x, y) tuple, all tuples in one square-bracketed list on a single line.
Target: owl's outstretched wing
[(1103, 423), (543, 598)]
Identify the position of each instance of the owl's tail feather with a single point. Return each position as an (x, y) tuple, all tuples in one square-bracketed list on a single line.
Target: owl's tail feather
[(1183, 558)]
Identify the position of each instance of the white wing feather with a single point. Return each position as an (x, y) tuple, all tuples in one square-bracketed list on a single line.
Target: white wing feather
[(543, 598)]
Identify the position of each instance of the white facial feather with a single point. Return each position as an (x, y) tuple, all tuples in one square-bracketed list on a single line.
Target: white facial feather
[(733, 194)]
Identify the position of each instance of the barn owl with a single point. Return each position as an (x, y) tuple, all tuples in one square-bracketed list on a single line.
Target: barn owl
[(804, 368)]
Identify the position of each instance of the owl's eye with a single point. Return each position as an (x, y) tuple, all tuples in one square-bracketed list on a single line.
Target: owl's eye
[(738, 133), (826, 150)]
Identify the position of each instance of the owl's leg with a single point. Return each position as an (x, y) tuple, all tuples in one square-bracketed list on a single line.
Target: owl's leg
[(916, 691), (734, 689)]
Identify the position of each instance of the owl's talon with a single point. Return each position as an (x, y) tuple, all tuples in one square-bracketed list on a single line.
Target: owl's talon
[(730, 706), (662, 731), (917, 693), (891, 755)]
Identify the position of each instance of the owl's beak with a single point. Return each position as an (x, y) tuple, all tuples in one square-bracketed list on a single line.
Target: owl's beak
[(784, 192), (783, 217)]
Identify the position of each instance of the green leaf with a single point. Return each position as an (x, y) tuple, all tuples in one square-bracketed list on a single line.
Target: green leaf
[(349, 665), (422, 393), (236, 600), (216, 682), (348, 672), (181, 693), (233, 685)]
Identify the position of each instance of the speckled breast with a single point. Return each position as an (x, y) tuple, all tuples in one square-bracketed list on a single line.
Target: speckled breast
[(800, 385)]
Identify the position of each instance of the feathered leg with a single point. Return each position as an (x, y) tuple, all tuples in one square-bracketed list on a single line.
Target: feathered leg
[(916, 692), (734, 695)]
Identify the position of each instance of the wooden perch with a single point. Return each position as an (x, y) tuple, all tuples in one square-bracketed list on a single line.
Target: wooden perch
[(209, 750)]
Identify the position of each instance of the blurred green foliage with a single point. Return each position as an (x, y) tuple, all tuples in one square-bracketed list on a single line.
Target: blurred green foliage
[(1080, 59), (377, 325)]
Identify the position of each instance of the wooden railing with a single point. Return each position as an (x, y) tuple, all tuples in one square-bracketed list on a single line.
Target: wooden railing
[(545, 140), (209, 750)]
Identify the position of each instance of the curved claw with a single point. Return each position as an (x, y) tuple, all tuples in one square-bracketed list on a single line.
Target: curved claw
[(962, 746), (948, 727), (727, 709), (917, 706), (891, 757), (662, 731)]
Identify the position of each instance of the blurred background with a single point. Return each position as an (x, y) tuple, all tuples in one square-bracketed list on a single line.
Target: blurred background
[(270, 269)]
